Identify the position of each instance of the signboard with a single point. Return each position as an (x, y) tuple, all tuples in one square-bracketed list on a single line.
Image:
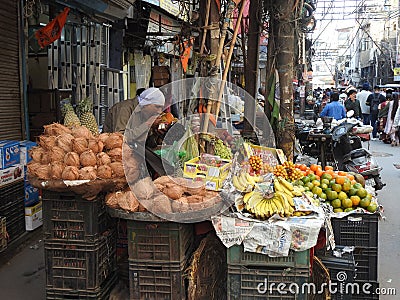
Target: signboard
[(171, 7), (154, 2), (396, 74)]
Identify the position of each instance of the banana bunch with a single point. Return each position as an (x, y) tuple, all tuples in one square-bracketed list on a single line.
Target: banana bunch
[(298, 190), (301, 213), (263, 207), (284, 187), (244, 182)]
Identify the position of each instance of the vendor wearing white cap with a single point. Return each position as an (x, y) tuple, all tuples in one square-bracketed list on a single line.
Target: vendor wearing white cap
[(146, 116)]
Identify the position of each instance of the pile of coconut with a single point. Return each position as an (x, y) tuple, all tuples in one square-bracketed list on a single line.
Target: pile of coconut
[(76, 154)]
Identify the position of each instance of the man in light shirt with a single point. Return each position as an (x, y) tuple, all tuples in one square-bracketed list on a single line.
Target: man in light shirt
[(362, 98)]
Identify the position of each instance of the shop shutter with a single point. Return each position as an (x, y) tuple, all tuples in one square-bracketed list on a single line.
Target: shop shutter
[(10, 81)]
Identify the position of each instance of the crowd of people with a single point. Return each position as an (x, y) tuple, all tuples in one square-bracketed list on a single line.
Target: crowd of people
[(378, 108)]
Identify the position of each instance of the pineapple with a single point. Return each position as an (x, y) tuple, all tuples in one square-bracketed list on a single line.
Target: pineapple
[(70, 117), (86, 116)]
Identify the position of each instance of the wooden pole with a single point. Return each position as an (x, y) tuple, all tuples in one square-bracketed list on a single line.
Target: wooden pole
[(205, 28), (228, 59), (228, 16)]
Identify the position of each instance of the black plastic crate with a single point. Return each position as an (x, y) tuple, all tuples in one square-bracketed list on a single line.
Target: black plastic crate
[(245, 283), (163, 281), (12, 193), (295, 259), (159, 242), (342, 271), (67, 216), (3, 234), (80, 266), (16, 228), (370, 286), (366, 263), (102, 293), (359, 230)]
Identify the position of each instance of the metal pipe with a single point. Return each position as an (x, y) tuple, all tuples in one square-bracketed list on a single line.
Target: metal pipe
[(23, 69)]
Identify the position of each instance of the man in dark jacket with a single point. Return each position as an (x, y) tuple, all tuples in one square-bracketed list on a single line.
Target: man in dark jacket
[(352, 103), (373, 102)]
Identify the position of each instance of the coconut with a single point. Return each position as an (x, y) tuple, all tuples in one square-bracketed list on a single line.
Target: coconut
[(32, 168), (70, 173), (56, 169), (144, 189), (56, 154), (64, 141), (46, 159), (88, 158), (47, 142), (56, 129), (95, 145), (42, 172), (89, 173), (174, 192), (104, 172), (103, 136), (114, 141), (111, 200), (79, 145), (117, 169), (36, 153), (115, 154), (72, 159), (103, 159), (82, 132)]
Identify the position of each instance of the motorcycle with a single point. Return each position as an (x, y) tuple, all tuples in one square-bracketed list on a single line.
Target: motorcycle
[(340, 148)]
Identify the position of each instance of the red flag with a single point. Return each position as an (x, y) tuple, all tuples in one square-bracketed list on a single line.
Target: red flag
[(186, 49), (52, 31)]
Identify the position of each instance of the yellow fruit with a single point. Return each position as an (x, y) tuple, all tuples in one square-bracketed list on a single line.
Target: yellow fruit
[(372, 207), (317, 190), (336, 187), (362, 193), (325, 181), (322, 196), (316, 182), (346, 186), (342, 196), (326, 176), (348, 209), (347, 203), (365, 202), (324, 186), (356, 200), (332, 195), (336, 203), (310, 185), (337, 210)]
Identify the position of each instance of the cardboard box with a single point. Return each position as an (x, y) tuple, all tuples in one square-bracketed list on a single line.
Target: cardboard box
[(24, 148), (9, 153), (211, 183), (11, 174), (278, 154), (193, 168), (33, 217), (31, 195)]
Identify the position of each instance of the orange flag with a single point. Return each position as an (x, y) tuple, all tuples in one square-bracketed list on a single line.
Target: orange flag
[(52, 31)]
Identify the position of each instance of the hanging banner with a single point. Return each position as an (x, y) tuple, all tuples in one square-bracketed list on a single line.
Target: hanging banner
[(52, 31)]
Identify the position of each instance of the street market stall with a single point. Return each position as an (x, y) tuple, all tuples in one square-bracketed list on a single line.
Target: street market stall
[(268, 212)]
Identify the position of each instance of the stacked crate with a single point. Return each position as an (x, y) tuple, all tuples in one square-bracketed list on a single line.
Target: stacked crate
[(158, 256), (360, 231), (12, 208), (257, 276), (79, 247), (342, 271)]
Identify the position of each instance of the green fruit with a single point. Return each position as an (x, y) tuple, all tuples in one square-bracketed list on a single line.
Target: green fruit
[(347, 203), (325, 181), (336, 187), (352, 192), (365, 202), (348, 209), (357, 185), (323, 196), (342, 196), (336, 203), (324, 186), (372, 207), (305, 179), (332, 195), (337, 210), (362, 193)]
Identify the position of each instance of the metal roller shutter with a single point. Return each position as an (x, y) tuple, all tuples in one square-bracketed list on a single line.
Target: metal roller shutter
[(10, 81)]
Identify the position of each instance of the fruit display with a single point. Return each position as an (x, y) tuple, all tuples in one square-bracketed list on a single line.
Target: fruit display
[(256, 163), (86, 116), (339, 189), (288, 170), (245, 182)]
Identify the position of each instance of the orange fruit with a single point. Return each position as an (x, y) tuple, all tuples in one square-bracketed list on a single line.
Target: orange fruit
[(355, 200), (350, 177), (342, 173), (303, 167), (328, 168), (313, 167), (319, 172), (340, 180)]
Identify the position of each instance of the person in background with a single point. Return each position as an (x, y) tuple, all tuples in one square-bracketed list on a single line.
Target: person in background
[(362, 98), (382, 119), (334, 108), (352, 103), (390, 128), (119, 114), (396, 124), (373, 102)]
